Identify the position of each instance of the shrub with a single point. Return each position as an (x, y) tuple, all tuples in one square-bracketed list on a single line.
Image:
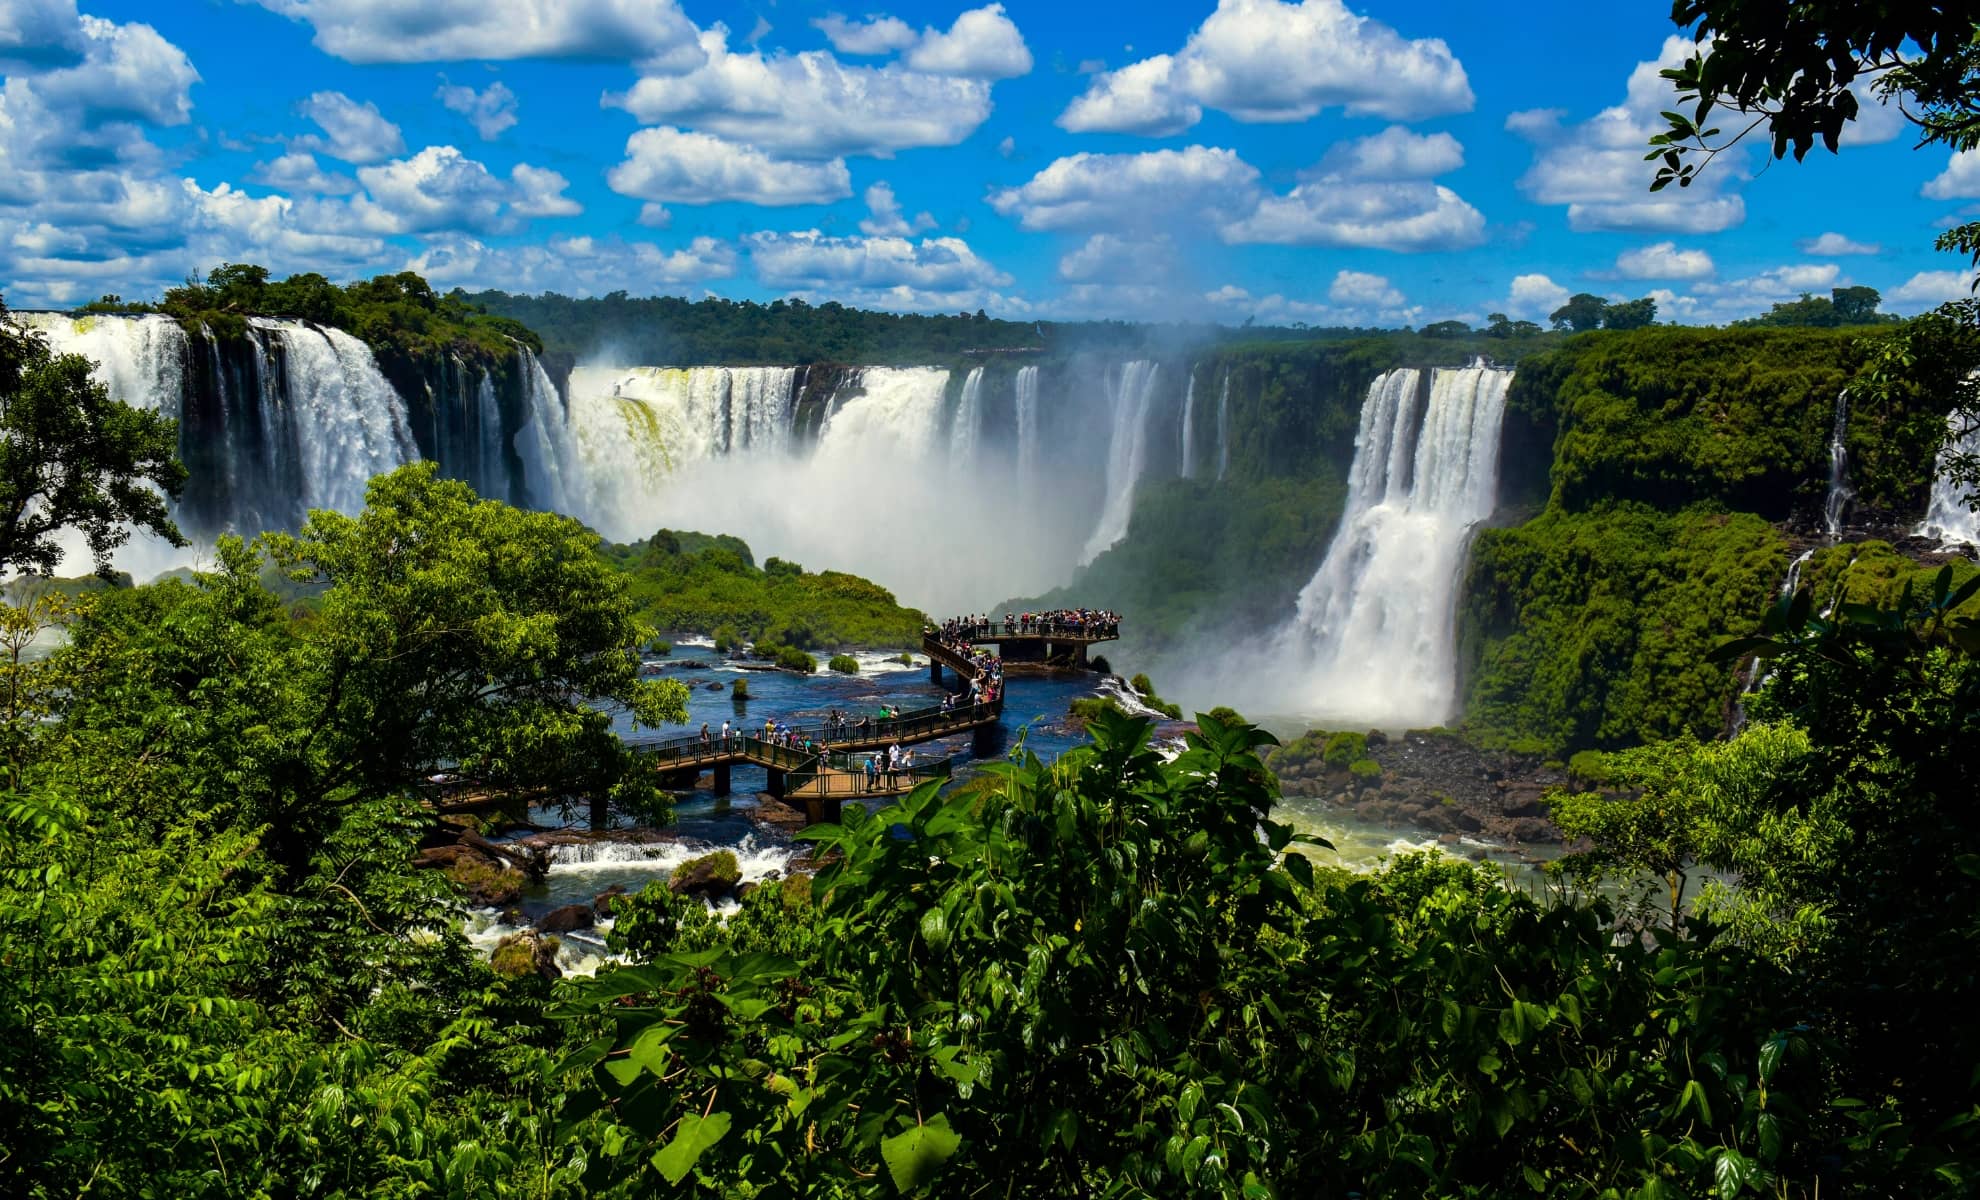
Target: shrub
[(790, 658), (739, 690), (1365, 768), (1088, 708), (1589, 766), (660, 646), (844, 664), (726, 639), (485, 883), (1343, 749)]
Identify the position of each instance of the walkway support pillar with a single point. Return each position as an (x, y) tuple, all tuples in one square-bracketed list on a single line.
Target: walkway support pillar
[(934, 671), (722, 779), (776, 784)]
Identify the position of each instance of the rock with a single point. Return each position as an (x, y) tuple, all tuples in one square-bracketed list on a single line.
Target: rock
[(693, 664), (1377, 739), (712, 687), (484, 882), (602, 902), (743, 890), (565, 919), (710, 877), (525, 953)]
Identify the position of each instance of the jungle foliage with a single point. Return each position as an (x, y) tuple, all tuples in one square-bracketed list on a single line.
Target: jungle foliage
[(72, 458), (399, 314), (693, 583)]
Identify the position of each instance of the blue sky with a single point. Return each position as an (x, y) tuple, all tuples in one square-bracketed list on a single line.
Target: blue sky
[(1378, 164)]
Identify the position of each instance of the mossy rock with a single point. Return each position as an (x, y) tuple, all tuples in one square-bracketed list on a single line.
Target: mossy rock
[(711, 877), (485, 883), (522, 954), (844, 664), (740, 689)]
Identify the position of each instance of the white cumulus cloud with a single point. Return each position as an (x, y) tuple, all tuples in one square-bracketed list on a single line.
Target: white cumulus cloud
[(298, 171), (883, 272), (574, 266), (1960, 180), (1357, 288), (490, 111), (809, 105), (1663, 261), (983, 43), (1372, 192), (1830, 244), (1264, 60), (1109, 191), (1929, 289), (355, 132), (684, 167), (441, 190), (406, 31), (1105, 258), (1533, 296), (1596, 168), (884, 216)]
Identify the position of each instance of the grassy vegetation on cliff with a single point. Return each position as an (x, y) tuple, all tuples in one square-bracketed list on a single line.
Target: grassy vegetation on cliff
[(1673, 450), (399, 313), (693, 583), (1591, 628)]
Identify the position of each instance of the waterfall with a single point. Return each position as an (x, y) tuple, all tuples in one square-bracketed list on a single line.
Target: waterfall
[(1224, 426), (140, 360), (1188, 467), (1133, 388), (894, 417), (1372, 638), (292, 417), (1793, 579), (967, 421), (1027, 428), (343, 421), (1839, 494), (1948, 519)]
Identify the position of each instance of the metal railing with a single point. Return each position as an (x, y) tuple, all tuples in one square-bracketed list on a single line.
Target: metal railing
[(918, 725), (820, 780)]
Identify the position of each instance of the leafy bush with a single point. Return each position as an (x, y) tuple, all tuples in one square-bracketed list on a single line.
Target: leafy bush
[(790, 658), (739, 690), (693, 583), (845, 664)]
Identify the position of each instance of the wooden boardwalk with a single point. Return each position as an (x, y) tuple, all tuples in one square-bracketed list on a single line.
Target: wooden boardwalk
[(808, 764)]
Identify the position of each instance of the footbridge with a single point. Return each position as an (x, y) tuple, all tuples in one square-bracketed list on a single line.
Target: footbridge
[(813, 765)]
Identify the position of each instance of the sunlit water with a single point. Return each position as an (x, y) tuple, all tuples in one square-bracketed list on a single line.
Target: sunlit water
[(1035, 717)]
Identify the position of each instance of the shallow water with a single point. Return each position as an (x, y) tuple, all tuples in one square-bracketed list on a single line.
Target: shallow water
[(1035, 712)]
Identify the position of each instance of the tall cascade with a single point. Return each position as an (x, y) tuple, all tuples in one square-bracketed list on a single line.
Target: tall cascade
[(1134, 387), (968, 420), (1836, 502), (1947, 516), (296, 417), (1189, 428), (1027, 427), (1373, 636), (1224, 426)]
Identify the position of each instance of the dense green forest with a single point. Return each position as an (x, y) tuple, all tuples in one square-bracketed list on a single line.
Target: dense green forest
[(1673, 452), (698, 584), (399, 314)]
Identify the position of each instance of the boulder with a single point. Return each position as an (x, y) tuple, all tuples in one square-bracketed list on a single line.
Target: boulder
[(712, 687), (565, 919), (525, 953), (601, 904), (710, 877)]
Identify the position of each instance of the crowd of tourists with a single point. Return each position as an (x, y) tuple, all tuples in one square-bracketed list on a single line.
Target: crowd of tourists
[(986, 676), (1057, 622)]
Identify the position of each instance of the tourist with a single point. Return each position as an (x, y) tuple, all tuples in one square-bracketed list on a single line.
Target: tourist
[(704, 733), (725, 735)]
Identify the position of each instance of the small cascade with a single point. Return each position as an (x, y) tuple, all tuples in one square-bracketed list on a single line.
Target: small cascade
[(1793, 579), (1133, 389), (1836, 502), (140, 360), (1224, 426), (1374, 630), (1189, 428), (1027, 427), (968, 421), (1948, 518)]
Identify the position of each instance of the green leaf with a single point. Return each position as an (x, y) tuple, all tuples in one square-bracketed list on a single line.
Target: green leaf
[(1732, 1172), (935, 929), (1300, 869), (692, 1137), (915, 1157)]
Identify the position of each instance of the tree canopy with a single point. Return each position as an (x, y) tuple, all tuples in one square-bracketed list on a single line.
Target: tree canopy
[(72, 458)]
